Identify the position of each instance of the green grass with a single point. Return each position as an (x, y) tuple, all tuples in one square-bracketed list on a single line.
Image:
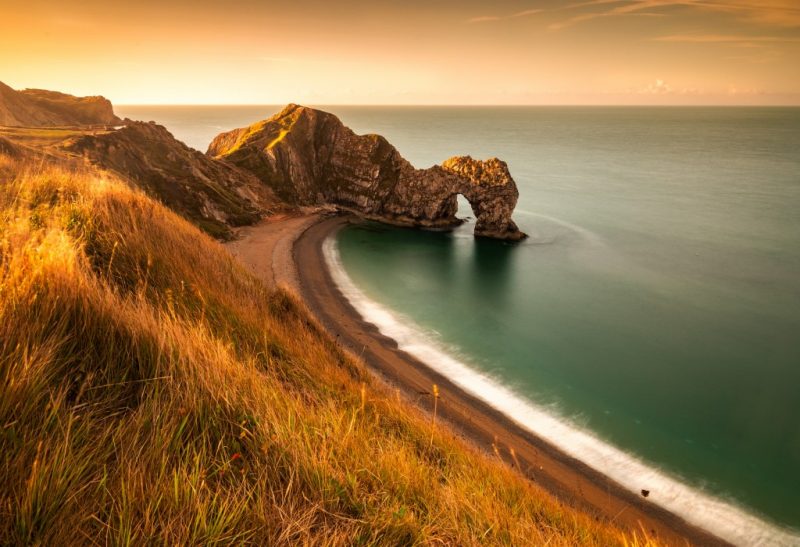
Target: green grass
[(153, 391)]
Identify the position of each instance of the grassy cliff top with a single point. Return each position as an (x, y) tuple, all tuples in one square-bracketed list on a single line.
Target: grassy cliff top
[(154, 391)]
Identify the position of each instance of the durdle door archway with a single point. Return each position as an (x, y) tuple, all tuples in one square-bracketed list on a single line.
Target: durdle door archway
[(310, 158)]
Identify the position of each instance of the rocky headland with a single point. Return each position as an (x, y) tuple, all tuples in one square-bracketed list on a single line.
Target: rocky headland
[(299, 157), (309, 157), (41, 108)]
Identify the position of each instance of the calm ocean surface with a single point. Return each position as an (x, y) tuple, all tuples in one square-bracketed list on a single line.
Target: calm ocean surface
[(656, 303)]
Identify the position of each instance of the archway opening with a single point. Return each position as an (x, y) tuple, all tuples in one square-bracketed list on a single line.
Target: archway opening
[(465, 211)]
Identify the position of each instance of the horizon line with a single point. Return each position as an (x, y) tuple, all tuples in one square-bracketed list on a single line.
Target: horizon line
[(481, 105)]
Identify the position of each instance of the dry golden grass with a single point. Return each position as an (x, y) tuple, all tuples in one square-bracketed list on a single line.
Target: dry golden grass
[(44, 136), (153, 391)]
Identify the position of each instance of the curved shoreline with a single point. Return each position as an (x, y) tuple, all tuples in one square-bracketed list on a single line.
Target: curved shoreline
[(569, 479)]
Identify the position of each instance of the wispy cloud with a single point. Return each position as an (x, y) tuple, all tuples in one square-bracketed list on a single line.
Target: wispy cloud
[(771, 13), (724, 39), (484, 19), (768, 48), (488, 18), (782, 13), (611, 8)]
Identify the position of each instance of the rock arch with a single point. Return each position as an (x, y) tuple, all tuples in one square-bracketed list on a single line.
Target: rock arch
[(491, 192), (308, 157)]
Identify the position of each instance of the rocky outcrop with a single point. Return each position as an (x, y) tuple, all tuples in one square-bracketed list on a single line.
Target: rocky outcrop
[(211, 193), (40, 108), (308, 157), (491, 192)]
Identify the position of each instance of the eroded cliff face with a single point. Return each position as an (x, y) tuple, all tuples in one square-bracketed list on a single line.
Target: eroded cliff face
[(308, 157), (41, 108), (212, 193)]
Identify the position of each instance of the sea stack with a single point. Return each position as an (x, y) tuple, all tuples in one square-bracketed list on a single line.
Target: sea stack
[(309, 157)]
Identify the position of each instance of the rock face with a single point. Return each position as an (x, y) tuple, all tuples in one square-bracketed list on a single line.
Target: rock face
[(308, 157), (213, 194), (40, 108)]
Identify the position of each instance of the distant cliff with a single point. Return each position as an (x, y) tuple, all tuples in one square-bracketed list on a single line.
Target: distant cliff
[(40, 108), (308, 157)]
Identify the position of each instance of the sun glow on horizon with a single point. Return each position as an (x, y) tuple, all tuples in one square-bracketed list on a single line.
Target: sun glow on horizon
[(548, 52)]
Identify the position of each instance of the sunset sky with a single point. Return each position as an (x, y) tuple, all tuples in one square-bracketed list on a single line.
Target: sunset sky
[(407, 52)]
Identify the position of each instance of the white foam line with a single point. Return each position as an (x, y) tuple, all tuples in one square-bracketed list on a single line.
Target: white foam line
[(588, 235), (718, 516)]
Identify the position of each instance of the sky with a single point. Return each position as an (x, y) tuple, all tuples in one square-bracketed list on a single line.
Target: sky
[(505, 52)]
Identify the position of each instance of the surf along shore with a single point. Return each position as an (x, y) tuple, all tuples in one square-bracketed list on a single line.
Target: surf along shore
[(288, 250)]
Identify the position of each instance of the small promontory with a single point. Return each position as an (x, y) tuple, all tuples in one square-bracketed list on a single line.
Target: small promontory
[(309, 157), (41, 108)]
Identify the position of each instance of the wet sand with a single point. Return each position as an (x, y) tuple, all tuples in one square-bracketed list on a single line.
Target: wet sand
[(289, 252)]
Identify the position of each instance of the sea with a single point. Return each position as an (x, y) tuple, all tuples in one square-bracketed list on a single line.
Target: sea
[(650, 324)]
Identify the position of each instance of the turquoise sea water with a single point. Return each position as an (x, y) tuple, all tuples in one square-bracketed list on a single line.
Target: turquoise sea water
[(656, 303)]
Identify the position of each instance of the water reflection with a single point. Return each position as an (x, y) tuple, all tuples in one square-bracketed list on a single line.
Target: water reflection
[(491, 271)]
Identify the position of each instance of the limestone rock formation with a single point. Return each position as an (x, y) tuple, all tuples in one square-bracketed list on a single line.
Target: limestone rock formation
[(308, 157), (40, 108), (213, 194), (491, 192)]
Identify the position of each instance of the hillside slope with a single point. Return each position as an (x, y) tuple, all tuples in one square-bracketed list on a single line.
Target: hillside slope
[(41, 108), (211, 193), (153, 391)]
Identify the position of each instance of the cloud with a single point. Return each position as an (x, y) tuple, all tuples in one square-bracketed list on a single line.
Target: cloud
[(724, 39), (527, 12), (781, 13), (483, 19), (659, 87), (772, 13), (488, 18), (609, 9), (768, 48), (733, 91)]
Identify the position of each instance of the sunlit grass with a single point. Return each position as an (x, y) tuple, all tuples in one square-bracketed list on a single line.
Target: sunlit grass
[(153, 391), (278, 139), (44, 136)]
